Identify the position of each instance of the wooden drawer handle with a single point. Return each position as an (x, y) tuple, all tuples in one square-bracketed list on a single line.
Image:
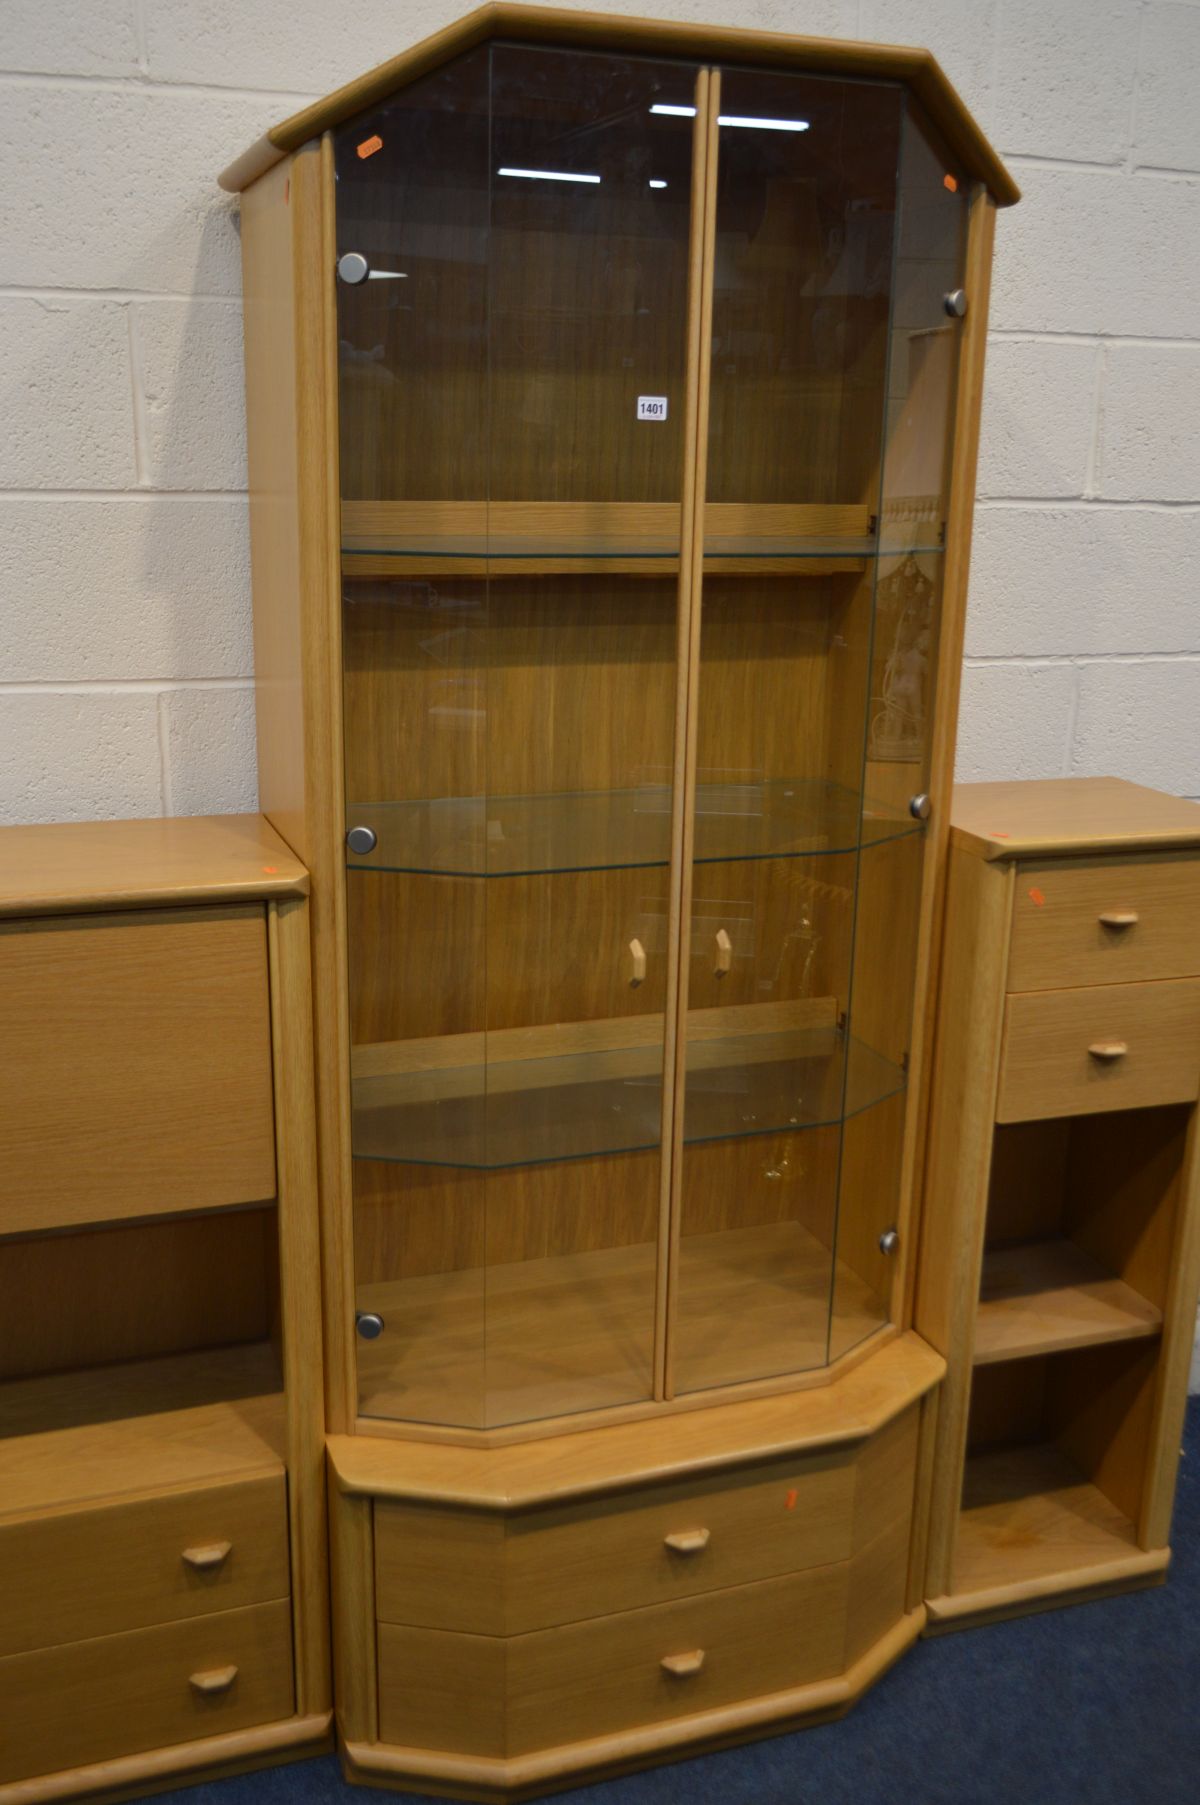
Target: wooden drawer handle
[(687, 1541), (682, 1666), (635, 964), (723, 957), (1108, 1049), (1119, 918), (207, 1558), (217, 1679)]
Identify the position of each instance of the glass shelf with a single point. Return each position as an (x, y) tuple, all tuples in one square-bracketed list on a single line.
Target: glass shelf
[(481, 538), (575, 1106), (604, 830)]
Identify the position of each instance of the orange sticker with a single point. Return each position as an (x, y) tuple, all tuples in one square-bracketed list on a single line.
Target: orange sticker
[(950, 182), (270, 870), (997, 835), (791, 1500), (369, 146), (1036, 897)]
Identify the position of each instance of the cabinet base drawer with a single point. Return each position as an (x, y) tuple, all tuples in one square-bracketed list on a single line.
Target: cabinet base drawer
[(493, 1575), (1112, 1046), (491, 1695), (1111, 921), (94, 1701), (496, 1573), (127, 1565)]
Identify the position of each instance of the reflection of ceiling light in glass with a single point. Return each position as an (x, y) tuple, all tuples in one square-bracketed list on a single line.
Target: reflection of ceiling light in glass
[(762, 125), (548, 175), (653, 184), (387, 275)]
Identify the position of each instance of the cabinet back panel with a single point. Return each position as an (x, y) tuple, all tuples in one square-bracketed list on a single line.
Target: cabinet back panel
[(528, 687), (98, 1296), (1122, 1193), (413, 1220)]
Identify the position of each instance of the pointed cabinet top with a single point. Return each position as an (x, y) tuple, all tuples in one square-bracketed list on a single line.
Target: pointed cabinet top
[(917, 69)]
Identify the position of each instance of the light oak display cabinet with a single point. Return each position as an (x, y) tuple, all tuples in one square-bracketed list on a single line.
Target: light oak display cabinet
[(613, 394)]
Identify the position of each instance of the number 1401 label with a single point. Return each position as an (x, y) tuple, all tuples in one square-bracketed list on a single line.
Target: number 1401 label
[(652, 407)]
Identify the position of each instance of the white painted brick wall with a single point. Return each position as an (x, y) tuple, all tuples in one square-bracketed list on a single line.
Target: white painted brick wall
[(125, 674)]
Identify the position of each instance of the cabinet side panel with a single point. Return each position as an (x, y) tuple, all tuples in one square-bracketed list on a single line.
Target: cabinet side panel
[(1170, 1401), (966, 1066), (273, 463), (300, 1287)]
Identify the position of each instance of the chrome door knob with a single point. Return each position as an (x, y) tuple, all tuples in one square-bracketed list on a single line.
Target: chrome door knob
[(353, 268), (919, 807), (889, 1241), (369, 1326), (361, 839), (955, 303)]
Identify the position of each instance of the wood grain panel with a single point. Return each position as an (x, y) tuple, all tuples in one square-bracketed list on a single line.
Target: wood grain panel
[(139, 1070), (1060, 938), (878, 1578), (1028, 1178), (1122, 1191), (958, 1163), (559, 1566), (584, 1679), (271, 234), (184, 1422), (763, 694), (410, 1220), (485, 1694), (1057, 817), (541, 686), (91, 1701), (1099, 1409), (87, 1573), (1048, 1070), (136, 1291), (69, 866)]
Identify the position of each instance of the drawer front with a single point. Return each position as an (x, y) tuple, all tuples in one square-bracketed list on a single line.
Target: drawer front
[(488, 1696), (474, 1571), (138, 1077), (1114, 1046), (1111, 921), (95, 1572), (118, 1695)]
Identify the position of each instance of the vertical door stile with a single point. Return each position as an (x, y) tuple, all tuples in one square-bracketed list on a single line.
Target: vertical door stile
[(702, 252), (323, 656)]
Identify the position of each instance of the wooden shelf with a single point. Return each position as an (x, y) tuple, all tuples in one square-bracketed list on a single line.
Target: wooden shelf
[(486, 1346), (1042, 1297), (80, 1437), (1029, 1515)]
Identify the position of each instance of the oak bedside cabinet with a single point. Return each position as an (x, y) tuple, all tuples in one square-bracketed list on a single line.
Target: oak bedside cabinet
[(163, 1592), (613, 399), (1060, 1255)]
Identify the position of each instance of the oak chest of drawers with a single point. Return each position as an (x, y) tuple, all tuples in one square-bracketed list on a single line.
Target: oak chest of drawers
[(162, 1538), (1061, 1254), (544, 1610)]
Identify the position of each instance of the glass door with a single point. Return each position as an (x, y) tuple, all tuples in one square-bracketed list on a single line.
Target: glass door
[(924, 329), (803, 874), (513, 237)]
